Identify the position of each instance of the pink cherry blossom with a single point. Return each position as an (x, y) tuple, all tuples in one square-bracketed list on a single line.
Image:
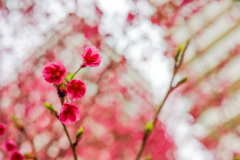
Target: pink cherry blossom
[(91, 57), (54, 72), (16, 156), (10, 145), (2, 129), (76, 89), (69, 114), (130, 17)]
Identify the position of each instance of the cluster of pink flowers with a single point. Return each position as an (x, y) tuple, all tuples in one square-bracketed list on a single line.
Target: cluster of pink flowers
[(10, 145), (76, 89)]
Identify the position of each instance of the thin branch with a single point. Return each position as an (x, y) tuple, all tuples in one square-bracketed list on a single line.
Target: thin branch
[(61, 95), (148, 131), (31, 141), (73, 147), (21, 128), (54, 112), (70, 141), (75, 73)]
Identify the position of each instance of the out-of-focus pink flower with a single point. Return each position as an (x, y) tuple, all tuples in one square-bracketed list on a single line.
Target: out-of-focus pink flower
[(10, 145), (76, 89), (130, 17), (2, 129), (16, 156), (54, 72), (91, 57), (69, 114)]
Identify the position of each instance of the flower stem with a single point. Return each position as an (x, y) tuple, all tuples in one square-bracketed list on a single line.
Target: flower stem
[(170, 88), (31, 141), (21, 128), (73, 147), (70, 141), (75, 73)]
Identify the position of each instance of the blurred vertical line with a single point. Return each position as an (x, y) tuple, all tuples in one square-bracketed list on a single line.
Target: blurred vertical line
[(76, 5)]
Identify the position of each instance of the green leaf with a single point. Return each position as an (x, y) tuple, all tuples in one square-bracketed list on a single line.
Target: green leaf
[(51, 108), (69, 76), (79, 134), (148, 157), (179, 49), (236, 158), (80, 131), (16, 122), (15, 119), (148, 127), (29, 156), (182, 81)]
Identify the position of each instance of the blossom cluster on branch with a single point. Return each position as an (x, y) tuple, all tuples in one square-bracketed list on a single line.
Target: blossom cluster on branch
[(56, 72), (113, 103)]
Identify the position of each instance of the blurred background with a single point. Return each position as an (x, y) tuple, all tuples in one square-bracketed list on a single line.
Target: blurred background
[(137, 40)]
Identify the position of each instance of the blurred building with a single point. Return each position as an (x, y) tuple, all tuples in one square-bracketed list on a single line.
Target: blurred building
[(212, 65)]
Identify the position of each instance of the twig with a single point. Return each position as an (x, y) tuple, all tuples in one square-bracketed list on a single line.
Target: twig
[(75, 73), (70, 141), (31, 141), (21, 128), (148, 130), (73, 145)]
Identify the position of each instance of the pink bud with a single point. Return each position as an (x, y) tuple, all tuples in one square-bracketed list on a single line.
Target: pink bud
[(91, 57)]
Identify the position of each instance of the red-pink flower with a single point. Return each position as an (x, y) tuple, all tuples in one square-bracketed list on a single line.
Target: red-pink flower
[(16, 156), (130, 17), (10, 145), (76, 89), (91, 57), (2, 129), (69, 114), (54, 72)]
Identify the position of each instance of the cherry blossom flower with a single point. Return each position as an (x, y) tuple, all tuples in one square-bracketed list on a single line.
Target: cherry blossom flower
[(54, 72), (16, 155), (91, 57), (2, 129), (69, 114), (10, 145), (130, 17), (76, 89)]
